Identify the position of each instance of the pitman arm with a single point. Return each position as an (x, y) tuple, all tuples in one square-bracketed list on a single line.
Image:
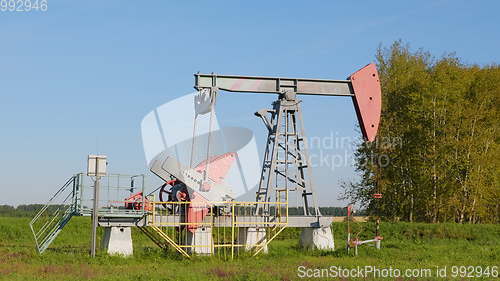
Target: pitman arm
[(363, 86)]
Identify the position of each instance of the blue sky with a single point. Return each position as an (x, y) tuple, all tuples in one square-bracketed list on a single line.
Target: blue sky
[(80, 77)]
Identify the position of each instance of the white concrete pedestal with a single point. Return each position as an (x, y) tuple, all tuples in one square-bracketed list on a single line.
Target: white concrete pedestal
[(320, 238), (118, 241), (251, 237), (201, 239)]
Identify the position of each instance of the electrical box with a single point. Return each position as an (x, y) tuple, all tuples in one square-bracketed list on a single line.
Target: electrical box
[(96, 165)]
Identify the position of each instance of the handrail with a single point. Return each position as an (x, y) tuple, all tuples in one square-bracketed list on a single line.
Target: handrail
[(52, 198), (47, 229)]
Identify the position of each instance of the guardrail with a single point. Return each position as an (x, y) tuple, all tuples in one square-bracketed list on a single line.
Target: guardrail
[(54, 215), (217, 228), (75, 197), (114, 191)]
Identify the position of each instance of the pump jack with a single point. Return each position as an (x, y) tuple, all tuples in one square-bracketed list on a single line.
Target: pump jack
[(286, 164)]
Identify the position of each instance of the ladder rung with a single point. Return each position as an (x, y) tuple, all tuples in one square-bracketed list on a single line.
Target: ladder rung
[(285, 162)]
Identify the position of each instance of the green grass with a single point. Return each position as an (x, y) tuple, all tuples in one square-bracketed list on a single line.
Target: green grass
[(405, 246)]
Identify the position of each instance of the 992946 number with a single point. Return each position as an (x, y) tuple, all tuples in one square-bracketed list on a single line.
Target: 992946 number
[(474, 271), (23, 5)]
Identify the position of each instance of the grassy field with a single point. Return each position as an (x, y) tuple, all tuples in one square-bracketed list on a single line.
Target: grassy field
[(405, 246)]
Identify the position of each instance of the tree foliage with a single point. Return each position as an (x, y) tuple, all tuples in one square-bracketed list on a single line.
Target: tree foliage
[(436, 156)]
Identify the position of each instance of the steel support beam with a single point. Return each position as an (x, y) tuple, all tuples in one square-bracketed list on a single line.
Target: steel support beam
[(274, 85)]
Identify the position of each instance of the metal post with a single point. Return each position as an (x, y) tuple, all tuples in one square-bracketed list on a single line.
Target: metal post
[(94, 210)]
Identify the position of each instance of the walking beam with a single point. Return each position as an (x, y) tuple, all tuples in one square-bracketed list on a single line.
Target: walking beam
[(363, 86), (274, 85)]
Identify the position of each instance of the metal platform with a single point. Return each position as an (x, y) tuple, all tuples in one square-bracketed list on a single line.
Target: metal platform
[(74, 198), (243, 221)]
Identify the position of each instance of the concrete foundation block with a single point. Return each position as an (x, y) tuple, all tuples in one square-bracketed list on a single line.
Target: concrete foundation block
[(201, 240), (251, 237), (320, 238), (118, 241)]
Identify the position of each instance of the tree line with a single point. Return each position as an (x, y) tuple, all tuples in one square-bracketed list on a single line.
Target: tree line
[(27, 210), (436, 156), (326, 211)]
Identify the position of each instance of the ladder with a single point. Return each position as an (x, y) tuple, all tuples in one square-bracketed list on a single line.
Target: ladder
[(286, 161)]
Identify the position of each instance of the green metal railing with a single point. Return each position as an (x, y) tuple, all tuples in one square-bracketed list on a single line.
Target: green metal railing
[(74, 198), (54, 215), (114, 189)]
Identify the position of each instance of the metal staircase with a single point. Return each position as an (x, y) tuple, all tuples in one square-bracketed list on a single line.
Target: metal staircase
[(54, 215), (75, 198)]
